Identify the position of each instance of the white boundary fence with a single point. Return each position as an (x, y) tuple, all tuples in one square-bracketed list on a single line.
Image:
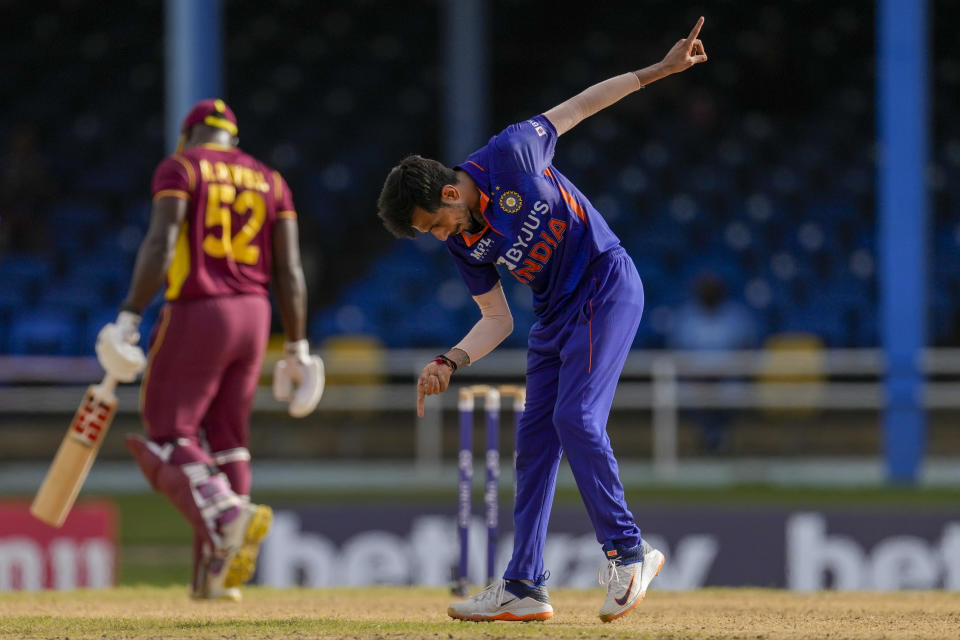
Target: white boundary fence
[(663, 382)]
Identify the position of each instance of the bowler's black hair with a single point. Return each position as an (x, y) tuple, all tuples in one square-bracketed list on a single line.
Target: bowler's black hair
[(415, 182)]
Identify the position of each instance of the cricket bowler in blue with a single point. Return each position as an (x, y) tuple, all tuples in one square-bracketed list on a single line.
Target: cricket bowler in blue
[(507, 205)]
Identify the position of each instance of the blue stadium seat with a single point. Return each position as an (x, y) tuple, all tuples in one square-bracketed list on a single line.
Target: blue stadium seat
[(4, 332), (44, 332), (25, 270), (103, 275), (13, 295), (70, 216), (78, 299), (77, 226)]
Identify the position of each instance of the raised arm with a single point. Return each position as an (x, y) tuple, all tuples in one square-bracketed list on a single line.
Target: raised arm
[(683, 55)]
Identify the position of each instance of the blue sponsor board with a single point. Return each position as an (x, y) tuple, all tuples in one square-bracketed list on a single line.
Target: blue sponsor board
[(800, 550)]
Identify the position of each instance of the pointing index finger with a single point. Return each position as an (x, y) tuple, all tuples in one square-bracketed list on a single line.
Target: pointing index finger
[(421, 395), (696, 30)]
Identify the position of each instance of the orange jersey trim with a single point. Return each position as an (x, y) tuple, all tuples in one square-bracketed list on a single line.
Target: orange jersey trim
[(472, 239), (171, 193), (476, 165), (191, 174), (287, 215), (567, 197), (484, 201)]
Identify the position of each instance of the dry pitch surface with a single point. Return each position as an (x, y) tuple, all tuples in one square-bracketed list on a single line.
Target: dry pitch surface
[(400, 613)]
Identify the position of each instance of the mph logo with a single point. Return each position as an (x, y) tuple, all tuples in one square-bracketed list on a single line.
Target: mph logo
[(483, 246)]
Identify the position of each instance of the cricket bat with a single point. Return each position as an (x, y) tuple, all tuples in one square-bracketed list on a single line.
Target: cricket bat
[(76, 454)]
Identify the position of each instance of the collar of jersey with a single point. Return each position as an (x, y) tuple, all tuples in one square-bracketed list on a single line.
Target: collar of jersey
[(471, 238)]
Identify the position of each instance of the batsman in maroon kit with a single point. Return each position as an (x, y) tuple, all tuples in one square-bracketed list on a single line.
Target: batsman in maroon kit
[(223, 226)]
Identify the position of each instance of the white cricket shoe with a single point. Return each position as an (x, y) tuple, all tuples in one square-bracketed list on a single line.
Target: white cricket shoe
[(499, 602), (232, 594), (627, 583), (199, 588), (234, 560)]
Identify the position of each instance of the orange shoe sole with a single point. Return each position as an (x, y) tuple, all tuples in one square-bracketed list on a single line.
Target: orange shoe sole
[(503, 617)]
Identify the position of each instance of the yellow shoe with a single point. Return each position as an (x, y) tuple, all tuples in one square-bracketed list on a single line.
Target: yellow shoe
[(235, 559)]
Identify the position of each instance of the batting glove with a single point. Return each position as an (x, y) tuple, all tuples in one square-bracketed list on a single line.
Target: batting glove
[(118, 348), (299, 379)]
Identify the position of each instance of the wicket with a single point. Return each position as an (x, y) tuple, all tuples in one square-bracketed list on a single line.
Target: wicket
[(467, 405)]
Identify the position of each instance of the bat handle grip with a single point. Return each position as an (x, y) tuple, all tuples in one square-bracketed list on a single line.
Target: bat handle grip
[(108, 385)]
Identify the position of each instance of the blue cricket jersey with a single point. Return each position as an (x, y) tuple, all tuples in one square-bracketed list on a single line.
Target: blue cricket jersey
[(538, 224)]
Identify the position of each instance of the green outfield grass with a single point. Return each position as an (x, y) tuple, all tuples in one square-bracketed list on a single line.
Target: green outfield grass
[(402, 613)]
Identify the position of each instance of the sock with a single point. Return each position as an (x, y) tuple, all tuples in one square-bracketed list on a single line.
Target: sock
[(624, 555), (235, 464), (520, 589)]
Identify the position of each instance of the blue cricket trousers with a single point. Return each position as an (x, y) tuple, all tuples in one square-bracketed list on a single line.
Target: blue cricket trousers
[(573, 366)]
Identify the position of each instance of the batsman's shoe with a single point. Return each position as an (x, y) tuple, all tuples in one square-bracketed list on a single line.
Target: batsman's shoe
[(235, 558), (627, 576), (200, 590), (232, 594), (509, 600)]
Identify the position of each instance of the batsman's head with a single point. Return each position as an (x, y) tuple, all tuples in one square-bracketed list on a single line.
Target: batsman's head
[(212, 113)]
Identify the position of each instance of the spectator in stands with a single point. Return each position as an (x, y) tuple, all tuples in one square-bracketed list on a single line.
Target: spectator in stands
[(713, 323), (25, 191)]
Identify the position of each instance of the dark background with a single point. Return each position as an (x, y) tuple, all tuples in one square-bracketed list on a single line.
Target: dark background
[(758, 166)]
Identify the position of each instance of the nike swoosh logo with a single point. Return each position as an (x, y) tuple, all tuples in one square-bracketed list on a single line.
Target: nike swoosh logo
[(626, 596)]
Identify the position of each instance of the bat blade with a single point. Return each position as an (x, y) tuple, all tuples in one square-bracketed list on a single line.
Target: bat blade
[(76, 454)]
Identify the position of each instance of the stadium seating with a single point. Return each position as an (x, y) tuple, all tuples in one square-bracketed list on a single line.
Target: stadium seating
[(767, 183), (47, 331)]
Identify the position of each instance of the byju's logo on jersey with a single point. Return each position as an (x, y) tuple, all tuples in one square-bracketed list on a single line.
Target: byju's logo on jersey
[(480, 251), (534, 258), (515, 253), (511, 201)]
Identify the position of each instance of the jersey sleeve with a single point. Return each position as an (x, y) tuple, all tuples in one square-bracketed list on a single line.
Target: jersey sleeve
[(173, 178), (479, 278), (530, 144), (281, 191)]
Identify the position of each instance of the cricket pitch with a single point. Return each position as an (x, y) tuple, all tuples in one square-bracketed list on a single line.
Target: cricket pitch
[(400, 613)]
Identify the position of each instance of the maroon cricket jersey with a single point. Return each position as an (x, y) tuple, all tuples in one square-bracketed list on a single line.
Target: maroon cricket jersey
[(224, 246)]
